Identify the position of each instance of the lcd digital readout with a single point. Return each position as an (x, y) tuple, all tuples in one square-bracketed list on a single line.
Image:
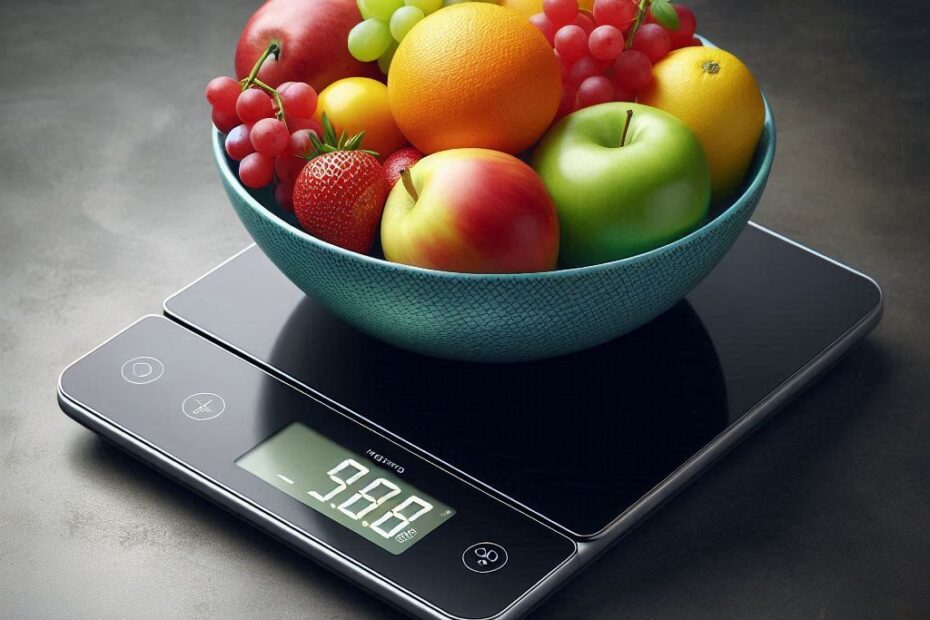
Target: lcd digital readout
[(346, 487)]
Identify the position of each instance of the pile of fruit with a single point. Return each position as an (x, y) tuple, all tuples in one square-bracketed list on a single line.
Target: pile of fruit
[(486, 138)]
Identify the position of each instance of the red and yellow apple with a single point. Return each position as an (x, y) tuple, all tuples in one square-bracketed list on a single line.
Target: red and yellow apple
[(473, 211), (311, 38)]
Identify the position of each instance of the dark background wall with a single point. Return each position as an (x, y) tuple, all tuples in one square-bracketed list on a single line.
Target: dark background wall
[(109, 202)]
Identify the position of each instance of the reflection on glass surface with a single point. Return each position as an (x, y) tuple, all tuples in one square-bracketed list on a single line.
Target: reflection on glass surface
[(577, 438), (582, 437)]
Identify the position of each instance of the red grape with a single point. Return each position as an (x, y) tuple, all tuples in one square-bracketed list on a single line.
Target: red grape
[(585, 21), (585, 68), (571, 42), (567, 103), (284, 196), (565, 65), (299, 99), (255, 170), (606, 42), (222, 93), (238, 144), (296, 124), (545, 26), (653, 41), (687, 26), (618, 13), (287, 167), (632, 70), (299, 143), (595, 90), (622, 94), (560, 12), (224, 121), (269, 136), (695, 42), (253, 105)]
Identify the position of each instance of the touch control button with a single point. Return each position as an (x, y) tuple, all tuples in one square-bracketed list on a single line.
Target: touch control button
[(142, 370), (203, 406), (485, 557)]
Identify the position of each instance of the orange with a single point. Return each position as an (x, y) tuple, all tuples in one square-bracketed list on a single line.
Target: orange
[(474, 75), (715, 95), (528, 8), (357, 104)]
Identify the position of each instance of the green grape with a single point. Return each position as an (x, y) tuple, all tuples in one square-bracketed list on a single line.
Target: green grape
[(369, 39), (403, 19), (363, 9), (384, 62), (382, 9), (427, 6)]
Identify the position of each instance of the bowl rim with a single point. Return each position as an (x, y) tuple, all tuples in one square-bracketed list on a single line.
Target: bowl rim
[(763, 168)]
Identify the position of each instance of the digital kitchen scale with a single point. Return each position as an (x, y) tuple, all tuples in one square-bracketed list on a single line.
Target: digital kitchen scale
[(451, 489)]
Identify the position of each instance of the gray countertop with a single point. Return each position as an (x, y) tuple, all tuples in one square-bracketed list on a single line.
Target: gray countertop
[(110, 203)]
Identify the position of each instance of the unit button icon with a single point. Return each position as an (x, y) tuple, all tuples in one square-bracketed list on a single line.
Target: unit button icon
[(142, 370), (203, 406), (485, 557)]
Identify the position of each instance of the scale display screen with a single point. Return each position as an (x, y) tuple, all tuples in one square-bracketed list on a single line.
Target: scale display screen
[(346, 487)]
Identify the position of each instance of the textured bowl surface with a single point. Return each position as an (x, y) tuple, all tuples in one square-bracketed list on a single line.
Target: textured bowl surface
[(496, 318)]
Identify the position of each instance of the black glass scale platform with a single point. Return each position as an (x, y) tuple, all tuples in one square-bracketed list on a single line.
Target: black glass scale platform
[(451, 489)]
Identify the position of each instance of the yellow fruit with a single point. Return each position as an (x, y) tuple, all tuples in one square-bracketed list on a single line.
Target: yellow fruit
[(715, 95), (528, 8), (474, 75), (361, 104)]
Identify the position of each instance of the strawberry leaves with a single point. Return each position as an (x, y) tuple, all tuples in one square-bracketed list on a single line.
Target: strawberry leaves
[(330, 143)]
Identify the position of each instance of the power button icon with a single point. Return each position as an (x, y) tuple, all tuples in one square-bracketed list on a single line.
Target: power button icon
[(485, 557), (142, 370)]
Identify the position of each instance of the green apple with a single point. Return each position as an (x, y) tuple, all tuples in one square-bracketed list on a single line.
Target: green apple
[(625, 179)]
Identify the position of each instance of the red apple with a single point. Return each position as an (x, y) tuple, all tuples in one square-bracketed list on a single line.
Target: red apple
[(472, 211), (398, 161), (311, 35)]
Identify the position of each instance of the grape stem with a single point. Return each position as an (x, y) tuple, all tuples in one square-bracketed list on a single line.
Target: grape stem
[(252, 80), (273, 48), (626, 126), (408, 184), (640, 18), (274, 95)]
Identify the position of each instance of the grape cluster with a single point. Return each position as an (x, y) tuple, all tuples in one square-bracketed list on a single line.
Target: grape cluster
[(386, 23), (608, 55), (267, 129)]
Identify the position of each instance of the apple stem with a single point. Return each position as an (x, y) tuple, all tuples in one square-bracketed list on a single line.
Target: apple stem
[(407, 180), (273, 48), (626, 126)]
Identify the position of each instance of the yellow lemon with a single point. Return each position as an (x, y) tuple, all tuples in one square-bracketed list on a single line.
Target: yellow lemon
[(361, 104), (715, 95)]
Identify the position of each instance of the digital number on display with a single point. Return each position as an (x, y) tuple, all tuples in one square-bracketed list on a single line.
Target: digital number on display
[(355, 493), (368, 499)]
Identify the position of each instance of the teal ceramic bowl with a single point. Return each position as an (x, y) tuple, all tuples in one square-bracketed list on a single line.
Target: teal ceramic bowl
[(495, 318)]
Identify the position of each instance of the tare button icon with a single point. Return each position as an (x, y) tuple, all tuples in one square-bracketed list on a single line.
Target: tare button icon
[(485, 557)]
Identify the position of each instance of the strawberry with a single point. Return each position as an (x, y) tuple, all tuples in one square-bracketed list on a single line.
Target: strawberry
[(340, 194)]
